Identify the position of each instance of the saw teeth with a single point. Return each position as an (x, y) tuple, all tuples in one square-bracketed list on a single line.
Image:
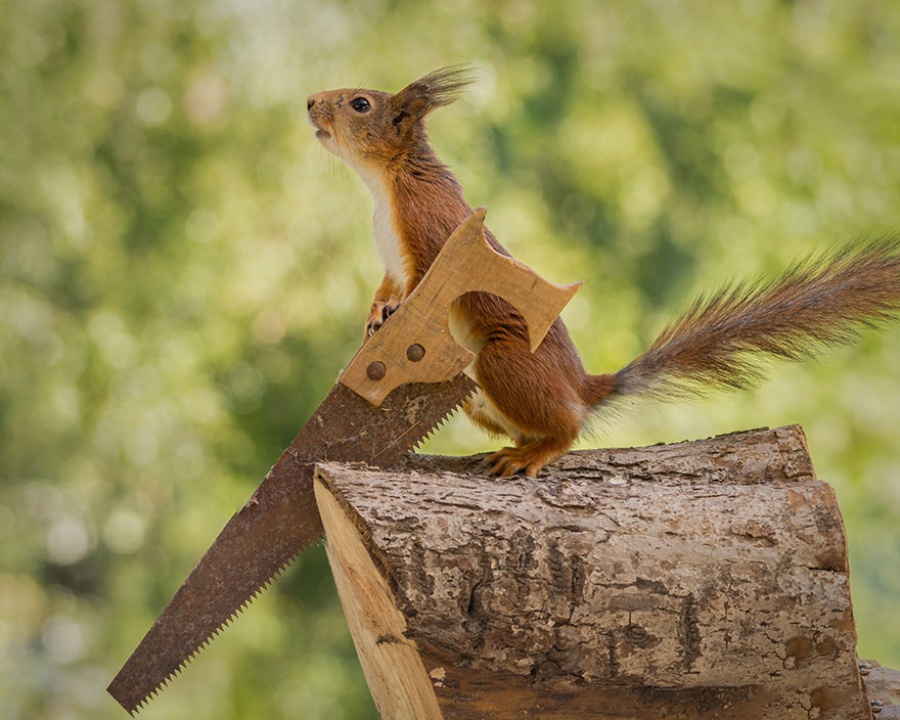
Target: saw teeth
[(451, 396), (144, 701), (133, 711), (439, 424)]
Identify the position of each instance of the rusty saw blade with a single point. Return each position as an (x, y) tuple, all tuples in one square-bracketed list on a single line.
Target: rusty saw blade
[(278, 522), (402, 384)]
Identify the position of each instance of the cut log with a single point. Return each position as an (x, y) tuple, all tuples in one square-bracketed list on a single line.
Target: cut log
[(693, 581)]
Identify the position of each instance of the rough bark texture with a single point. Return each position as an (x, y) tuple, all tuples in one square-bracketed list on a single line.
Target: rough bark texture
[(883, 688), (697, 580)]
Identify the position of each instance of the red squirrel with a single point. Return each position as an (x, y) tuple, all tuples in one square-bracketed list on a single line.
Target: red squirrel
[(543, 400)]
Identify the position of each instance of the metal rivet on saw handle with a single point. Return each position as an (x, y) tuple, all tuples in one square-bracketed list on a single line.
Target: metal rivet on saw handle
[(376, 370), (415, 352)]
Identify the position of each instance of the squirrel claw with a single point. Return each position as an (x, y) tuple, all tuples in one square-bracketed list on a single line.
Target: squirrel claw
[(508, 461), (379, 313), (529, 458)]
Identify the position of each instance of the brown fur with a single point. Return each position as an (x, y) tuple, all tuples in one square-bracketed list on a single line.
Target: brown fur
[(542, 400)]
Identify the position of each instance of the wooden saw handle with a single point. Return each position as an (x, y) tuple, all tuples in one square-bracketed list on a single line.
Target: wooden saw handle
[(415, 344)]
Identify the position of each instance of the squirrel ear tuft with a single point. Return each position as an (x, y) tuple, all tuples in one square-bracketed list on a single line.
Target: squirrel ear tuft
[(436, 89)]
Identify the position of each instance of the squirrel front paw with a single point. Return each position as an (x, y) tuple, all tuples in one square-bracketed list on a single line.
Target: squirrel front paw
[(379, 313)]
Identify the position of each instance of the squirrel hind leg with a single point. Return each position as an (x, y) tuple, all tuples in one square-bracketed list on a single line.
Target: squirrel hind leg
[(533, 398), (530, 457)]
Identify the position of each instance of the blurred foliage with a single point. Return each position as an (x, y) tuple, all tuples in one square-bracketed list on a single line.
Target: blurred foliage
[(184, 271)]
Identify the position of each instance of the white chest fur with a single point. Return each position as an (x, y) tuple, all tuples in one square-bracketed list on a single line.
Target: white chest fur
[(387, 239)]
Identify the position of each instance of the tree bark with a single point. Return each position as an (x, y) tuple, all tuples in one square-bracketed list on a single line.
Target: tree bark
[(698, 580)]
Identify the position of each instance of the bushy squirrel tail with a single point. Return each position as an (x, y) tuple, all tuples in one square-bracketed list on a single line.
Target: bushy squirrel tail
[(723, 341)]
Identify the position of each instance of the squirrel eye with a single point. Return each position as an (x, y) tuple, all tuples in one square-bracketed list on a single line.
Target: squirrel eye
[(360, 104)]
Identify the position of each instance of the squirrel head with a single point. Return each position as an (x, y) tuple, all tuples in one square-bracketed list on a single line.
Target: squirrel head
[(370, 129)]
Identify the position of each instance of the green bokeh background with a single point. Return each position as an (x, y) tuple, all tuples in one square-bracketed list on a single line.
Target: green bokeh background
[(184, 271)]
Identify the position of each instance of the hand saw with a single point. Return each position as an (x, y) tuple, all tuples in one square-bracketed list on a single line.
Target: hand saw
[(403, 382)]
